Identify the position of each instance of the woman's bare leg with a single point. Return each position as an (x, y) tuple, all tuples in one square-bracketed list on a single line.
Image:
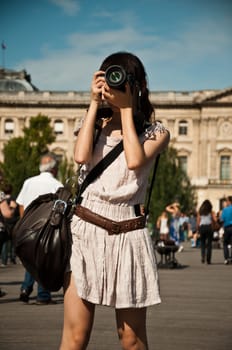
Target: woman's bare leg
[(131, 325), (78, 318)]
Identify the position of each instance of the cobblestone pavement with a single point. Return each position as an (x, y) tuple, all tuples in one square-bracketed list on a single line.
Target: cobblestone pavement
[(195, 313)]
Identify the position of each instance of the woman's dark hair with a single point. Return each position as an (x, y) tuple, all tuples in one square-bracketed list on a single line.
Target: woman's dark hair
[(205, 208), (134, 66)]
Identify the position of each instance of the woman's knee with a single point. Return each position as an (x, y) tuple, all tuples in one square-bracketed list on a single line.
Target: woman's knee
[(132, 341), (127, 338), (78, 319), (132, 329), (76, 334), (75, 339)]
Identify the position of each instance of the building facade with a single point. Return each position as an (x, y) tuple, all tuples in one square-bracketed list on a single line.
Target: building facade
[(200, 124), (201, 130)]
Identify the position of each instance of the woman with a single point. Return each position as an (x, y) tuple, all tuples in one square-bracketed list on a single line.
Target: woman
[(100, 260), (205, 219), (6, 211), (162, 225)]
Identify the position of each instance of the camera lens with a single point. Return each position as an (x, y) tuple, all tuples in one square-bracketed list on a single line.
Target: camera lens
[(115, 76)]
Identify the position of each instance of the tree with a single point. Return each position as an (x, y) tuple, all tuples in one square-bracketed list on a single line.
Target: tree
[(22, 154), (171, 184), (68, 175), (39, 133)]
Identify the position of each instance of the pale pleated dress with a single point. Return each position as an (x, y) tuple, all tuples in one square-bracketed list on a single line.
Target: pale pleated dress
[(115, 270)]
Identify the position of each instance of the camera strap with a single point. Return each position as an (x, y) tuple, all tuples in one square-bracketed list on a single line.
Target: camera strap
[(146, 209), (99, 168), (103, 164)]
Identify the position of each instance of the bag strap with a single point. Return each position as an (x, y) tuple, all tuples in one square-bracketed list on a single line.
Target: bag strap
[(109, 158), (151, 185), (104, 163), (99, 168)]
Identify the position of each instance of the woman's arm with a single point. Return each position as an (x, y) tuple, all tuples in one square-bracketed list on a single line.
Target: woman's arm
[(173, 208), (198, 221), (214, 217), (158, 223), (136, 153), (21, 210), (84, 143)]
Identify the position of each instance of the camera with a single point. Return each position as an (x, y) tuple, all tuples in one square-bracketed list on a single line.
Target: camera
[(116, 77)]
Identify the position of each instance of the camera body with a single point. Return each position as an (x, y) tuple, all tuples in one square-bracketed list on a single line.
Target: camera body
[(116, 77)]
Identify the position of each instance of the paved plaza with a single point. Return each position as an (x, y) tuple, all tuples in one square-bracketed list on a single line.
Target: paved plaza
[(195, 313)]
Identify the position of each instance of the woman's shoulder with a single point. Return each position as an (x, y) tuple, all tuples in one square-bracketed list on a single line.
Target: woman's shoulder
[(155, 129)]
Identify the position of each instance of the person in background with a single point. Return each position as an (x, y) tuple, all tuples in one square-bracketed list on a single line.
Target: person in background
[(7, 211), (174, 210), (193, 233), (102, 257), (8, 247), (184, 227), (33, 187), (205, 219), (226, 218), (223, 205), (162, 226)]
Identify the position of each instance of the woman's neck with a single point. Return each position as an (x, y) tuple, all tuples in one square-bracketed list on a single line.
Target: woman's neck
[(113, 126)]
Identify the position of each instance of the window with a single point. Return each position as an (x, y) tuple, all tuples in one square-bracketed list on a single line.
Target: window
[(183, 162), (9, 126), (59, 127), (183, 127), (225, 168)]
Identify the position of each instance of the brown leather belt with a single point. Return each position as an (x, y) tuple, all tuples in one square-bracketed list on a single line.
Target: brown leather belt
[(113, 227)]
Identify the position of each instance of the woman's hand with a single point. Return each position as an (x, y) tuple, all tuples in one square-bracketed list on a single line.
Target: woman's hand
[(5, 210), (118, 98), (98, 82), (13, 204)]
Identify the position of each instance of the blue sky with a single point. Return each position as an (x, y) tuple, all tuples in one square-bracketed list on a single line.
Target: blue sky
[(185, 45)]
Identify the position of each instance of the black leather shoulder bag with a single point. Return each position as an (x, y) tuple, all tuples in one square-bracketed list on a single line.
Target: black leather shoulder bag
[(42, 237)]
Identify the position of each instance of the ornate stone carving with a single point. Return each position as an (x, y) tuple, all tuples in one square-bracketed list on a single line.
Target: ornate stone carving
[(226, 129)]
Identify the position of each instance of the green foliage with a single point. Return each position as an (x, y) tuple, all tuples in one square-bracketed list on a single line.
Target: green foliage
[(39, 133), (68, 175), (22, 154), (171, 184), (14, 168), (66, 170)]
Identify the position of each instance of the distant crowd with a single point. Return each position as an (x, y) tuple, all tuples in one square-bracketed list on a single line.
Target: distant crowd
[(202, 228)]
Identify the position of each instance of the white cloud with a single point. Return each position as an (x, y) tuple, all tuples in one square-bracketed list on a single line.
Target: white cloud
[(111, 39), (72, 68), (70, 7)]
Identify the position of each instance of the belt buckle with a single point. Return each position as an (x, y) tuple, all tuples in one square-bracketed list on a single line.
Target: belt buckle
[(115, 228)]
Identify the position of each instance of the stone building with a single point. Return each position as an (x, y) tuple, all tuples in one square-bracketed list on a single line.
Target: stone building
[(200, 124)]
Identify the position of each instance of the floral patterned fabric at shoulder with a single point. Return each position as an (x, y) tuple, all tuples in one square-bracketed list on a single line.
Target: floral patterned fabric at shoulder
[(78, 127), (154, 131)]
